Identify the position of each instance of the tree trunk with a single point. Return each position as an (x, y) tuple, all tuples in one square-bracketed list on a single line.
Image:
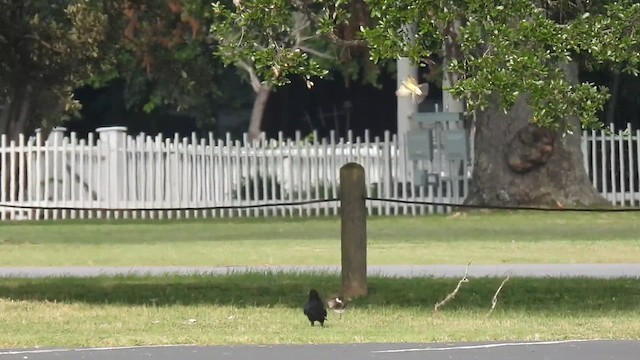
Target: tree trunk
[(257, 113), (16, 112), (518, 163), (452, 51), (13, 121)]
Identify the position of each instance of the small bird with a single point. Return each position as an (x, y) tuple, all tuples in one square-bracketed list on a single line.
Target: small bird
[(314, 309), (338, 304), (410, 87)]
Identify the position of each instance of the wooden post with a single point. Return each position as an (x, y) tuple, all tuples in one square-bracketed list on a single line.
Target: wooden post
[(353, 214)]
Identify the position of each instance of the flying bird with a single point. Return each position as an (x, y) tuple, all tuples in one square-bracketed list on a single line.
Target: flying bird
[(314, 308), (338, 304), (410, 87)]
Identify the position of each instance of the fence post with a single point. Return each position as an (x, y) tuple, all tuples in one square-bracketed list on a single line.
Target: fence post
[(112, 141), (353, 215)]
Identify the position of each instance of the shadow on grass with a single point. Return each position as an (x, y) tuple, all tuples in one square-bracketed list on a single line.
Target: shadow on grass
[(290, 290)]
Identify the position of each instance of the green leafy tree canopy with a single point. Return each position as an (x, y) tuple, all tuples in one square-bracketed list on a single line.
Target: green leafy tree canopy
[(508, 47), (48, 49)]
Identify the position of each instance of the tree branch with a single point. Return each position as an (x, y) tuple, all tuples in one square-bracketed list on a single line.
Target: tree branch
[(315, 52), (454, 292), (494, 301), (43, 43), (300, 23), (346, 43), (312, 18), (256, 84)]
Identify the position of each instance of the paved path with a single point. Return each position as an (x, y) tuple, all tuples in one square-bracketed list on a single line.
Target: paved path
[(531, 270), (563, 350)]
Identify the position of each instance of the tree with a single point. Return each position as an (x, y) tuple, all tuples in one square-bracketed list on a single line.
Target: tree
[(47, 50), (162, 51), (519, 76), (268, 48), (517, 70)]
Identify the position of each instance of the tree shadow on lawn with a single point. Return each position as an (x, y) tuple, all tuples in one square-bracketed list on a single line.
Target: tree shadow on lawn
[(290, 290)]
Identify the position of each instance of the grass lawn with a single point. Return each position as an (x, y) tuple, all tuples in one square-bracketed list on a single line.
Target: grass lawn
[(267, 309), (525, 237)]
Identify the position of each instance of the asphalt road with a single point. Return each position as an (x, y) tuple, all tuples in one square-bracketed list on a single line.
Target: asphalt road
[(563, 350), (514, 270)]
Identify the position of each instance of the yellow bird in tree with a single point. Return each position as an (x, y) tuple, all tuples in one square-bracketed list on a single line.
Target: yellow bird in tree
[(410, 87)]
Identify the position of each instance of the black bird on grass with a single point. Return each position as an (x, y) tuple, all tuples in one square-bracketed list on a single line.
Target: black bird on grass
[(314, 308)]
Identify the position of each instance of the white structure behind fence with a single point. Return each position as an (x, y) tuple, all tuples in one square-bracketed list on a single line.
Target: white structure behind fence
[(118, 175)]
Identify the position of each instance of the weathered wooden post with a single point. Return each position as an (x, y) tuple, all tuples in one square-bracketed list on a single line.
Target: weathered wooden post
[(353, 214)]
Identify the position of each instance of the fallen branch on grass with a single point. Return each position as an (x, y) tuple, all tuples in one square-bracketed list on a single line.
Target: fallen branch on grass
[(494, 301), (454, 292)]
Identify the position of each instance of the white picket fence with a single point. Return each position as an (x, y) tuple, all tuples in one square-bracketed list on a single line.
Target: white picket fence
[(117, 175), (612, 160)]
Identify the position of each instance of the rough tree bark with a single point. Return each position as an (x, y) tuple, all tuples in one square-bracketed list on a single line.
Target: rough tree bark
[(518, 163)]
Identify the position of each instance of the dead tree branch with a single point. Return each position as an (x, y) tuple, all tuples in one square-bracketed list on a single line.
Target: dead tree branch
[(453, 294), (494, 301)]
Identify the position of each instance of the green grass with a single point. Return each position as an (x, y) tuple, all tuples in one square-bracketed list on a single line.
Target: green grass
[(484, 238), (267, 309)]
